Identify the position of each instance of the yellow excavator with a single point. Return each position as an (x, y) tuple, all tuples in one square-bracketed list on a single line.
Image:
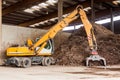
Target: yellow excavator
[(40, 51)]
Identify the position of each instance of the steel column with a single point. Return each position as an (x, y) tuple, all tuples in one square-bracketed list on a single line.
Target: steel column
[(112, 22), (0, 32), (60, 10), (92, 12)]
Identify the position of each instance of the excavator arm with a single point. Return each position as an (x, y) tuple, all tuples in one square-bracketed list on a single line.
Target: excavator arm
[(63, 23), (56, 28), (89, 29)]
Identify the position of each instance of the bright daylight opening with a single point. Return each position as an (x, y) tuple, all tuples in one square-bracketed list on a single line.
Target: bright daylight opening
[(40, 6), (98, 22)]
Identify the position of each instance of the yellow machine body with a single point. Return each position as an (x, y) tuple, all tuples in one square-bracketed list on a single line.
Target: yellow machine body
[(19, 51), (23, 51)]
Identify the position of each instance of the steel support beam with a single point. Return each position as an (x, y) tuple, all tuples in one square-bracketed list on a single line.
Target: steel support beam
[(112, 22), (92, 12), (104, 0), (0, 32), (60, 10)]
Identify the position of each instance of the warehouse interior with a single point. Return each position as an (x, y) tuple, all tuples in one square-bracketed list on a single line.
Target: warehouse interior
[(60, 39)]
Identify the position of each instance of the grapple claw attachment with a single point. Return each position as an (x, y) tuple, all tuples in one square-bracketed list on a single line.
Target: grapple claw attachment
[(95, 57)]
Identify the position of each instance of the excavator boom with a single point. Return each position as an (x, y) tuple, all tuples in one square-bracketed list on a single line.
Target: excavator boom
[(56, 28), (88, 28)]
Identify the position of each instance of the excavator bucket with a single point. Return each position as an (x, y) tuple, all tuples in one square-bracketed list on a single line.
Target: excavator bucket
[(95, 57)]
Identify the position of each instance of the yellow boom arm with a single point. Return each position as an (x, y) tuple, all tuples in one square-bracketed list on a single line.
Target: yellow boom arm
[(63, 23), (52, 32), (89, 29)]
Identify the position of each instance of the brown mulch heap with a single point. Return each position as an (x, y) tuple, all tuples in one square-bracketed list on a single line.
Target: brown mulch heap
[(74, 51)]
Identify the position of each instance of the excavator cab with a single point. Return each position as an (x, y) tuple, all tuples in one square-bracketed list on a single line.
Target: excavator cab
[(48, 48)]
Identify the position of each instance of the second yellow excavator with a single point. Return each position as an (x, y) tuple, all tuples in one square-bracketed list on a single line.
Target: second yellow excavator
[(40, 52)]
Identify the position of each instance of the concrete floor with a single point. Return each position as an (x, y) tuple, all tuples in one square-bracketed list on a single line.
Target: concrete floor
[(60, 73)]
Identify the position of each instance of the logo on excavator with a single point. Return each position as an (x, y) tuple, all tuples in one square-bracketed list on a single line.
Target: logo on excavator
[(89, 37)]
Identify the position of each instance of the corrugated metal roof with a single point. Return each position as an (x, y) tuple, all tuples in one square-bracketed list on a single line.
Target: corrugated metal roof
[(40, 10)]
